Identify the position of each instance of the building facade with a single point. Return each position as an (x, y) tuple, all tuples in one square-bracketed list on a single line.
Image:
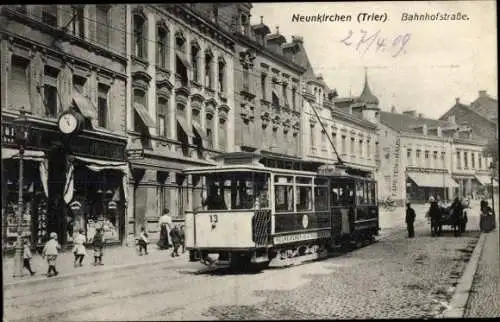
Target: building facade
[(58, 59), (422, 157), (267, 85), (181, 107)]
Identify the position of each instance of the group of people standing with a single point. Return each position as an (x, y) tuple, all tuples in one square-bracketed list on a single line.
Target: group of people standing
[(170, 236)]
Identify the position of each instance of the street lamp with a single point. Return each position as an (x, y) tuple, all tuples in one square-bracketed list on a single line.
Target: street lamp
[(22, 130)]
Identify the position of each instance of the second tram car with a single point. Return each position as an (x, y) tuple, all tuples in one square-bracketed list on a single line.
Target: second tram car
[(251, 213)]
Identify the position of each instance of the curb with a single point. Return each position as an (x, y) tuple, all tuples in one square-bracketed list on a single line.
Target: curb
[(459, 300), (105, 269)]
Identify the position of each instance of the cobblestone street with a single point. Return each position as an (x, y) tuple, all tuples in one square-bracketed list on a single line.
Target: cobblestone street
[(394, 278)]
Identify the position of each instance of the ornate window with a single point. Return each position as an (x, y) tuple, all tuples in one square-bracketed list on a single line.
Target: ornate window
[(181, 64), (312, 137), (222, 134), (140, 98), (208, 69), (49, 15), (210, 130), (294, 95), (102, 105), (140, 36), (103, 23), (221, 75), (51, 95), (77, 27), (285, 96), (18, 83), (195, 56), (275, 101), (263, 81), (161, 46), (163, 122)]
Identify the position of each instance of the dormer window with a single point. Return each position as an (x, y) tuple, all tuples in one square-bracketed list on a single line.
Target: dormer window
[(49, 15), (244, 25), (77, 23)]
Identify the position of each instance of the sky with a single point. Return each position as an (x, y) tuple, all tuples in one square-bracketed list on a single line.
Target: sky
[(419, 65)]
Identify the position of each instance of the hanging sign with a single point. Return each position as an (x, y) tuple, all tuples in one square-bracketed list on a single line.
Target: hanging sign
[(112, 204), (75, 205)]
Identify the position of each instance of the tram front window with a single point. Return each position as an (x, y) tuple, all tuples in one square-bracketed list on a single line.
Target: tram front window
[(245, 190)]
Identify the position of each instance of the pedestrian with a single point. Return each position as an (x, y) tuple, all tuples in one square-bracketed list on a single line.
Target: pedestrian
[(456, 215), (435, 214), (410, 219), (27, 256), (79, 248), (176, 240), (143, 241), (165, 223), (183, 238), (51, 250), (97, 245)]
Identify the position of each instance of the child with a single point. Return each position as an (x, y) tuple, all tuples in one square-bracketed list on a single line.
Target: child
[(176, 240), (79, 249), (27, 256), (97, 243), (51, 249), (143, 242)]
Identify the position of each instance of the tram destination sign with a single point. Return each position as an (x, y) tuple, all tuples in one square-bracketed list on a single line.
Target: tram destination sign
[(301, 236)]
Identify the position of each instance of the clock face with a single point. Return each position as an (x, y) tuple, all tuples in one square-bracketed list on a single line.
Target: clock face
[(68, 123)]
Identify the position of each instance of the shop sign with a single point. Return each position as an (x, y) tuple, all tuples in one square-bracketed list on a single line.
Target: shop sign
[(134, 154)]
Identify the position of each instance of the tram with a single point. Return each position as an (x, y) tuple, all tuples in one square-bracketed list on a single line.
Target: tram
[(255, 214)]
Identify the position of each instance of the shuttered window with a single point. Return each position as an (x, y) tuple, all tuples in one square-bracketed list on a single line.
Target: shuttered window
[(102, 18), (18, 84)]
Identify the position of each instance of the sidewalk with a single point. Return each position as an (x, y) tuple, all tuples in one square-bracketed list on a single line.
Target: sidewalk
[(116, 256)]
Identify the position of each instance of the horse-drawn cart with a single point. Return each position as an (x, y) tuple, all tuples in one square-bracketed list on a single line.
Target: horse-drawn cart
[(447, 218)]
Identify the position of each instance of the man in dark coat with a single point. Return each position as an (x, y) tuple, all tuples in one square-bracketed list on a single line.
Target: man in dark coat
[(176, 240), (457, 212), (435, 214), (410, 219)]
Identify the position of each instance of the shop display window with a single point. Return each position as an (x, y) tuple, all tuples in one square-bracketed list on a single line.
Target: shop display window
[(96, 204)]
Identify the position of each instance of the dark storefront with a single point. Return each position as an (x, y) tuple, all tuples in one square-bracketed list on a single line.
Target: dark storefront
[(84, 177)]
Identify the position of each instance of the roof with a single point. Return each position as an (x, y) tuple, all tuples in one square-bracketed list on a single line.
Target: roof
[(406, 123), (367, 95), (302, 59), (469, 109), (486, 105)]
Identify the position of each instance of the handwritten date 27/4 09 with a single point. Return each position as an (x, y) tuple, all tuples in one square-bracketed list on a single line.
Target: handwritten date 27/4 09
[(363, 42)]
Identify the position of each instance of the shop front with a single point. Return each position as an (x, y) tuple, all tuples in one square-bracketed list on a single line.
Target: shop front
[(35, 193), (420, 186), (70, 183)]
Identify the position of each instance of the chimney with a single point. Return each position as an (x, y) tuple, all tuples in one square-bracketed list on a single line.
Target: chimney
[(420, 115), (277, 30), (261, 20), (482, 93), (451, 119), (457, 100), (393, 109), (297, 39), (411, 113)]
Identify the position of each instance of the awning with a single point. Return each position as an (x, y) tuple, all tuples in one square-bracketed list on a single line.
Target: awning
[(183, 123), (84, 104), (483, 180), (200, 130), (28, 154), (144, 115), (182, 58), (433, 180)]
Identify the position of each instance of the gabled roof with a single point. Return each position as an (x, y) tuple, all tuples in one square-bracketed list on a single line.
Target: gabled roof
[(486, 105), (468, 109), (407, 123), (302, 59)]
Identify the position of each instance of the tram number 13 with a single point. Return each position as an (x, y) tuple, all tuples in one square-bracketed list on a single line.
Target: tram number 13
[(213, 219)]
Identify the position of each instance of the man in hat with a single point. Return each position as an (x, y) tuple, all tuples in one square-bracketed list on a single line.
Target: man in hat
[(410, 219)]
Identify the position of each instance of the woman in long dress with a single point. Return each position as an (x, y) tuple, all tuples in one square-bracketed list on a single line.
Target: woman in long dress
[(165, 223)]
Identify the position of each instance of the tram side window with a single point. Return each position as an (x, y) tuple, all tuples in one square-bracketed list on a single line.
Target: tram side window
[(304, 198), (373, 192), (366, 192), (284, 198), (342, 194), (360, 195), (321, 197)]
